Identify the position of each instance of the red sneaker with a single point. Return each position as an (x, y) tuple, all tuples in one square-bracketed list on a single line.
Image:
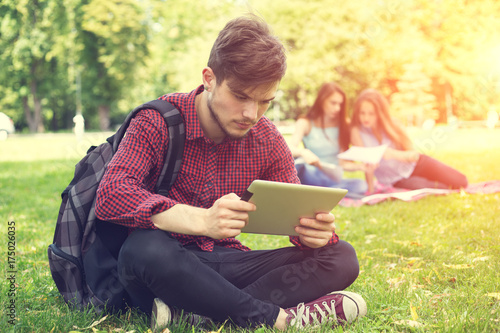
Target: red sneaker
[(339, 307)]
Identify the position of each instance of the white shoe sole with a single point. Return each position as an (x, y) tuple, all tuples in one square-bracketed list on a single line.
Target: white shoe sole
[(354, 305), (160, 316)]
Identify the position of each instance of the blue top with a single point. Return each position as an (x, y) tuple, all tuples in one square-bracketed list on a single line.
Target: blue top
[(324, 143), (389, 171)]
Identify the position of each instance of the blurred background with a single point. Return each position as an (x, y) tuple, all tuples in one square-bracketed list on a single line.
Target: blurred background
[(65, 62)]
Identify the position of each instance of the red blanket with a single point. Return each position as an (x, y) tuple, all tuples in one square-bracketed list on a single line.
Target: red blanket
[(384, 193)]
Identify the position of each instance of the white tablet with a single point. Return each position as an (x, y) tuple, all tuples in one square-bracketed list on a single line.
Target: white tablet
[(281, 205)]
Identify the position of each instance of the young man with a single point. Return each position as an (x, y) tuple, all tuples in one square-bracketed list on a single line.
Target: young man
[(181, 254)]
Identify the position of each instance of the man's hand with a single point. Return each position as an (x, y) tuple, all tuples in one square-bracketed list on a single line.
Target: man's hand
[(227, 217), (316, 233), (224, 219)]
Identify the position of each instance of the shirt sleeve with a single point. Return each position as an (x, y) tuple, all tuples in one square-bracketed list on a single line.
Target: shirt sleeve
[(282, 167), (126, 193)]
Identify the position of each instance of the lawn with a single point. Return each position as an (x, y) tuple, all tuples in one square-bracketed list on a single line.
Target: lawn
[(426, 266)]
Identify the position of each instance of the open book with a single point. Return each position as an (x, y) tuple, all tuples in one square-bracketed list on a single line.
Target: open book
[(371, 155)]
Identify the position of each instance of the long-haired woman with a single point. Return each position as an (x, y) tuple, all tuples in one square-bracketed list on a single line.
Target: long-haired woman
[(321, 134), (401, 166)]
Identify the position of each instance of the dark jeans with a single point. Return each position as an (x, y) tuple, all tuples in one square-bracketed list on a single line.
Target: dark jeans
[(247, 287), (431, 173)]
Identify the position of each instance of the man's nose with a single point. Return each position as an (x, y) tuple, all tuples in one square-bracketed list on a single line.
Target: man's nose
[(251, 110)]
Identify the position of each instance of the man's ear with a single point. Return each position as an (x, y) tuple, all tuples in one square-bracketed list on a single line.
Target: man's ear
[(209, 80)]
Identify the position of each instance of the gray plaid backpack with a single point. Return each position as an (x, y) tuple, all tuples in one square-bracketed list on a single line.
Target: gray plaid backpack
[(83, 256)]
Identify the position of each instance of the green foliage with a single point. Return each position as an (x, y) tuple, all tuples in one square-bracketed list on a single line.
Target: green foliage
[(113, 55), (32, 55), (368, 44), (180, 39), (414, 101), (114, 37), (117, 32)]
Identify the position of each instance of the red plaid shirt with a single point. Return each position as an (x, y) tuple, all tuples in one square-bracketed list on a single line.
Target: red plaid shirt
[(126, 193)]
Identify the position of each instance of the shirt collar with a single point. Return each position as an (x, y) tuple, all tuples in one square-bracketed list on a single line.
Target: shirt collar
[(193, 126)]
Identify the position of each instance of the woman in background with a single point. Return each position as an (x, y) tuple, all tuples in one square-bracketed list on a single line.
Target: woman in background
[(319, 136), (401, 166)]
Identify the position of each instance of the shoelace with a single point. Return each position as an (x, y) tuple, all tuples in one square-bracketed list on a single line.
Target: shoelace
[(304, 315)]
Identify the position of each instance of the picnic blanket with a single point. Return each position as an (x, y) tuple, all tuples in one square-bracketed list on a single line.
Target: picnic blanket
[(384, 193)]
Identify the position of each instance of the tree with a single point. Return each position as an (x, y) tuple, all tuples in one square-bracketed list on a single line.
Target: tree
[(464, 35), (353, 43), (125, 52), (30, 30), (364, 44), (114, 35), (414, 101)]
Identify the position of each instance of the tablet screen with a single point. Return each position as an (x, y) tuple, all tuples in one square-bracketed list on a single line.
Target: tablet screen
[(281, 205)]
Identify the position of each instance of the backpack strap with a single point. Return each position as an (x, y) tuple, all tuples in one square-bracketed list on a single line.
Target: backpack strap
[(175, 149), (176, 137)]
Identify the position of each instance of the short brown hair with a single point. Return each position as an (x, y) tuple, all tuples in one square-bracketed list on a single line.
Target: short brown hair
[(247, 54)]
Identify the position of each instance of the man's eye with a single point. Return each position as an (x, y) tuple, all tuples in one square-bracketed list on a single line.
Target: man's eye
[(240, 97)]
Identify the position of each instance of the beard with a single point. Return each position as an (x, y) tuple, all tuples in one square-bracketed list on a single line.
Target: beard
[(216, 118)]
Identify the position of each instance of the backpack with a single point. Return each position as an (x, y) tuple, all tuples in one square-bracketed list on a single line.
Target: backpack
[(83, 256)]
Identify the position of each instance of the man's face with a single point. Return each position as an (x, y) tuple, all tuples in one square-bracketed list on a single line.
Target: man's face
[(234, 111)]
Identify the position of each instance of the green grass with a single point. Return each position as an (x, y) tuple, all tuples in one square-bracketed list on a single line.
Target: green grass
[(433, 263)]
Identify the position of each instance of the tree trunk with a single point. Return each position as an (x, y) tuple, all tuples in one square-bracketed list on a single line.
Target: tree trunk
[(33, 116), (37, 117), (103, 117), (27, 114)]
